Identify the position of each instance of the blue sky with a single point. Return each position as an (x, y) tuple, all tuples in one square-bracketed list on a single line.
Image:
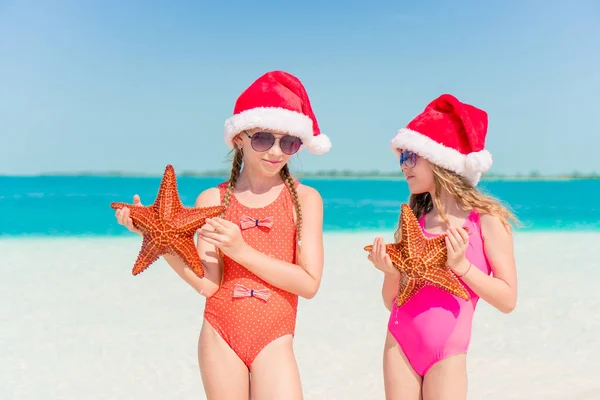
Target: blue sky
[(132, 86)]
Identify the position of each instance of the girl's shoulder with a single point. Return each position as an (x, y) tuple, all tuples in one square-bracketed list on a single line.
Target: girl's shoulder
[(486, 219), (210, 197), (307, 193), (492, 226)]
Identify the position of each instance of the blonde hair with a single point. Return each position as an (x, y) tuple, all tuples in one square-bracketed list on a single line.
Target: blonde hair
[(464, 193), (287, 178)]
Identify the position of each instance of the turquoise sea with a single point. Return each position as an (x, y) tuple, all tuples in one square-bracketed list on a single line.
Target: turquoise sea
[(79, 205)]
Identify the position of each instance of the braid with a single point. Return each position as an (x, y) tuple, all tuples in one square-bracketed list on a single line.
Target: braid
[(236, 168), (289, 181)]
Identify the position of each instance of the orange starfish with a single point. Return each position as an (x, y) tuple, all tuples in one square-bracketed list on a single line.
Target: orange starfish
[(421, 261), (168, 227)]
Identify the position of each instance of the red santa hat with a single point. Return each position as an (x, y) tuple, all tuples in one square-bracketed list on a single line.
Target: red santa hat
[(450, 134), (277, 101)]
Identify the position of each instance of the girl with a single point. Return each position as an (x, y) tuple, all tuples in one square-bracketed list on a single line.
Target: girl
[(442, 155), (264, 252)]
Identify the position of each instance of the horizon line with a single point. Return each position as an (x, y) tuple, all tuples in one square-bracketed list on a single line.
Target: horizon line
[(332, 173)]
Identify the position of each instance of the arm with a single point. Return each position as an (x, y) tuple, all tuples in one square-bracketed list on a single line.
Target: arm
[(389, 289), (391, 276), (303, 280), (500, 289), (208, 285)]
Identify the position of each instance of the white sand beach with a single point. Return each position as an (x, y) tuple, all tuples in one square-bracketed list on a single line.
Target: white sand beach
[(76, 325)]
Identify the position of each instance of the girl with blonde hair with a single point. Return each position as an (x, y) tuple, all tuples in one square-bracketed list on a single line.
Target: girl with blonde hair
[(442, 155)]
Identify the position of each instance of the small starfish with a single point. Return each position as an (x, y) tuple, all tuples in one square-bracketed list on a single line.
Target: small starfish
[(168, 227), (421, 261)]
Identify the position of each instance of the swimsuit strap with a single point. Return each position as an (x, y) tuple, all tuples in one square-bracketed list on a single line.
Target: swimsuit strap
[(472, 221)]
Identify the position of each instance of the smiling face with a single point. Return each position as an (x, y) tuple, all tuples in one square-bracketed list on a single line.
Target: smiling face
[(418, 171), (264, 150)]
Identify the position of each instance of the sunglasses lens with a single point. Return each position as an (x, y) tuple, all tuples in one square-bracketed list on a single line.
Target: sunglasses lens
[(408, 158), (262, 141), (290, 144)]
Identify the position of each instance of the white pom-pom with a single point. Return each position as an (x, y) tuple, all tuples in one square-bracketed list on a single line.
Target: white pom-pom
[(478, 162), (319, 144)]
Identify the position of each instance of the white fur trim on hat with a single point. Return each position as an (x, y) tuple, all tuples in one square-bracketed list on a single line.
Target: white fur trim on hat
[(277, 119), (471, 166), (319, 144)]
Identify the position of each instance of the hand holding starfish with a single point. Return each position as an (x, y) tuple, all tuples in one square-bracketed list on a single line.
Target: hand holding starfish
[(380, 259), (124, 216), (225, 235), (457, 241)]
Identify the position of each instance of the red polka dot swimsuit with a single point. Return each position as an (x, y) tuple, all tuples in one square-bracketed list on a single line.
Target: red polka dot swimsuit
[(246, 311)]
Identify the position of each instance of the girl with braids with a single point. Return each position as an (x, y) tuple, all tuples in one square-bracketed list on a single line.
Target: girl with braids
[(270, 243), (264, 252), (442, 154)]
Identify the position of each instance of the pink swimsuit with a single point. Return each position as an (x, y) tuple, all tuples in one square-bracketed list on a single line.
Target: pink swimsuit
[(434, 324)]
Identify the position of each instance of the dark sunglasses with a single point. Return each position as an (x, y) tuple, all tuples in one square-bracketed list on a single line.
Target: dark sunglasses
[(263, 141), (408, 158)]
